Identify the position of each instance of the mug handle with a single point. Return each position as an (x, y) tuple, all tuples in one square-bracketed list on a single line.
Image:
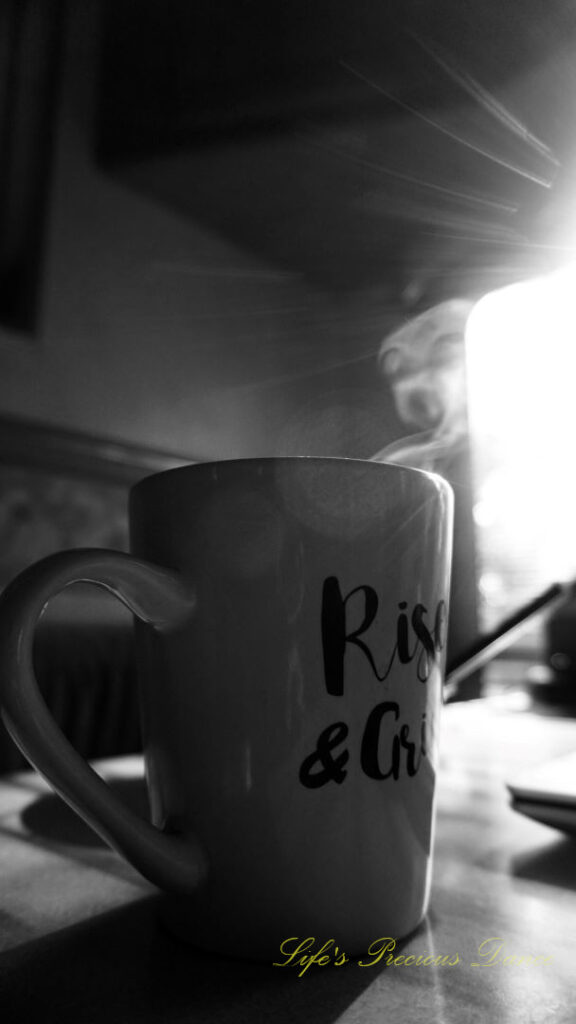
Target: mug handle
[(160, 598)]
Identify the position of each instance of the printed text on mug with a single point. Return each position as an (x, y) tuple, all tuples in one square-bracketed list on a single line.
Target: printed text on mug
[(418, 642)]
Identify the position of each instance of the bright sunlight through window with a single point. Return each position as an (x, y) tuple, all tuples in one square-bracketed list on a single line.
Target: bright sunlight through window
[(521, 368)]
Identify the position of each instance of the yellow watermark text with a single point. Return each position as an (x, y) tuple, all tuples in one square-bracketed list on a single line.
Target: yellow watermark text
[(303, 954)]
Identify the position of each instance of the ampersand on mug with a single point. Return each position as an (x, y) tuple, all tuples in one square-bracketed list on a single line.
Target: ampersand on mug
[(323, 765)]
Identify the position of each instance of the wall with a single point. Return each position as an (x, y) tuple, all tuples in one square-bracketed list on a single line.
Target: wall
[(158, 332)]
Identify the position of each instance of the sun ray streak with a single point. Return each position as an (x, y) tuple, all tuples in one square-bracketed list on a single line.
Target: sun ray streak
[(318, 369), (488, 102), (536, 179), (468, 197), (525, 244)]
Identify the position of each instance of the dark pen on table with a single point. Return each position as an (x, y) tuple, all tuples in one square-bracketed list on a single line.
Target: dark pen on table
[(492, 644)]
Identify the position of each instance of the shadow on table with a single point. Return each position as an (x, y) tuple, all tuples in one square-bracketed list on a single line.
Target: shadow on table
[(49, 817), (121, 967), (554, 865)]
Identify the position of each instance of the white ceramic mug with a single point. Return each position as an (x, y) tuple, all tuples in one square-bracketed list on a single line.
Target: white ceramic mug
[(290, 632)]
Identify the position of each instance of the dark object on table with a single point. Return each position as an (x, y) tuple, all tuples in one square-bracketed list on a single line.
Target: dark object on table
[(554, 681), (490, 645)]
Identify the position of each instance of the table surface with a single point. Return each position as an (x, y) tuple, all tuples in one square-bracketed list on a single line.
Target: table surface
[(80, 941)]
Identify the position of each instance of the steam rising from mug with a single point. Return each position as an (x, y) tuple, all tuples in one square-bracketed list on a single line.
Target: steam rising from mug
[(424, 361)]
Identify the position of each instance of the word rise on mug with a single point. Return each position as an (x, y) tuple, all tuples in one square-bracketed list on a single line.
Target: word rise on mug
[(416, 643)]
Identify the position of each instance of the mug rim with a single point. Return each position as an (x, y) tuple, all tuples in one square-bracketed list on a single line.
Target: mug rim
[(434, 478)]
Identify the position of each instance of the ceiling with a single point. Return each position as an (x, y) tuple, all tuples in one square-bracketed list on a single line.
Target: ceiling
[(424, 148)]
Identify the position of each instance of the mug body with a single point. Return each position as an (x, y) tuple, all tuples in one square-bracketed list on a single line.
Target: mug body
[(291, 724)]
